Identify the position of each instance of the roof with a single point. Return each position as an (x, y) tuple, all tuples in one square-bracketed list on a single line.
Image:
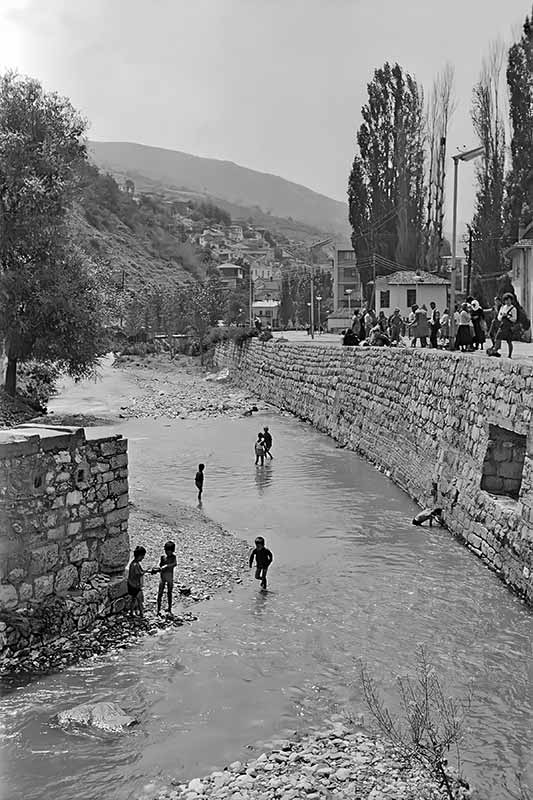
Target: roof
[(229, 265), (265, 304), (522, 244), (415, 278)]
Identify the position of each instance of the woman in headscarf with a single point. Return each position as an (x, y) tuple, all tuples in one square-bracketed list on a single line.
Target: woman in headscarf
[(478, 321)]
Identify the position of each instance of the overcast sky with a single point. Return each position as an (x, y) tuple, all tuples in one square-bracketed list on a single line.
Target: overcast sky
[(276, 85)]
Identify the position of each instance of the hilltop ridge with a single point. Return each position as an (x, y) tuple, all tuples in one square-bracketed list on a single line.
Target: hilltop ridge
[(223, 180)]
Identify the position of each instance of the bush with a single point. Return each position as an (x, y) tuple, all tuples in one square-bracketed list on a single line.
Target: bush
[(36, 383), (140, 349), (237, 335)]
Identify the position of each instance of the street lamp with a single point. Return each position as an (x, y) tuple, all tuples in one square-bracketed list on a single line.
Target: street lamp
[(349, 293), (312, 248), (318, 299), (465, 155), (310, 317)]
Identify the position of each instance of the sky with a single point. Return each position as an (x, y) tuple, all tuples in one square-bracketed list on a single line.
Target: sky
[(275, 85)]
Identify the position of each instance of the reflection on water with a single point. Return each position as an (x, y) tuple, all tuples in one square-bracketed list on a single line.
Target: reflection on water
[(351, 579)]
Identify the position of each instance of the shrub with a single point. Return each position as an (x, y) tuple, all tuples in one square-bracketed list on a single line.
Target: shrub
[(36, 383), (430, 724), (140, 349)]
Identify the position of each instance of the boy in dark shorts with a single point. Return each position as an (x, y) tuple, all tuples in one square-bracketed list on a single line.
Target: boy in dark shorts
[(267, 441), (259, 450), (135, 581), (429, 514), (199, 481), (263, 559), (167, 565)]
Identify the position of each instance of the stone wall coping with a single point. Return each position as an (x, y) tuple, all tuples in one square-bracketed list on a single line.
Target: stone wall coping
[(31, 438)]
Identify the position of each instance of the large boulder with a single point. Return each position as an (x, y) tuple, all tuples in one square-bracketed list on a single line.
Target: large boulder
[(104, 716)]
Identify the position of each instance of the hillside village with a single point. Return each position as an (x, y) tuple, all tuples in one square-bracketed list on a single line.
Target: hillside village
[(192, 240)]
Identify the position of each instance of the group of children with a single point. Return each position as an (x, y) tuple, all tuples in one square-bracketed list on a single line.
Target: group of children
[(263, 446)]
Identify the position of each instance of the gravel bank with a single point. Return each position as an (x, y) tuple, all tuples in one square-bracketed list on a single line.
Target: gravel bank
[(204, 568), (337, 763), (182, 389)]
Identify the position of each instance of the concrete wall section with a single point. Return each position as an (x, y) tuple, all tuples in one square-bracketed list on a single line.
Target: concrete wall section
[(426, 418)]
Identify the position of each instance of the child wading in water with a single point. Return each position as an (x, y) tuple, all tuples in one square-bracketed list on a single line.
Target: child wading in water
[(135, 581), (259, 449), (199, 481), (263, 559), (167, 565)]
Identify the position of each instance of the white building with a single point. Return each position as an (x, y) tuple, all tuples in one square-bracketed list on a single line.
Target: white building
[(405, 288), (267, 311), (345, 277), (521, 255)]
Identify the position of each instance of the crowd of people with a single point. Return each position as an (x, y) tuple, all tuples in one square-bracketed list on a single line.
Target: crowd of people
[(432, 327)]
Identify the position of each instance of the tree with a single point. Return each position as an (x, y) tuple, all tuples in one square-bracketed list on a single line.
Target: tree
[(49, 305), (487, 224), (440, 108), (385, 188), (519, 201), (206, 303)]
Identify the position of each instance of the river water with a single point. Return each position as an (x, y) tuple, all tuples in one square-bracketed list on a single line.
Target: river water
[(352, 579)]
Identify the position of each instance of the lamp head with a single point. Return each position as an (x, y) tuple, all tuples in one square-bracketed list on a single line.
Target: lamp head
[(468, 155)]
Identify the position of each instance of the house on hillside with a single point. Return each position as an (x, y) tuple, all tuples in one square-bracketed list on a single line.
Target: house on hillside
[(235, 233), (521, 257), (267, 288), (230, 274), (404, 288)]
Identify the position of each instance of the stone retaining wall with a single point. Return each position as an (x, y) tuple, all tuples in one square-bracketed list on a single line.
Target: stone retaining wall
[(426, 417), (63, 532)]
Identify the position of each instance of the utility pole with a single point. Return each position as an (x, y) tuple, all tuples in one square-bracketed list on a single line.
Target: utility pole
[(251, 297), (122, 288), (312, 298), (469, 273)]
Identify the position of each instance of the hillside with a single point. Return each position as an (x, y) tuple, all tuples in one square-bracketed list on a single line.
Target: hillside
[(140, 239), (222, 180)]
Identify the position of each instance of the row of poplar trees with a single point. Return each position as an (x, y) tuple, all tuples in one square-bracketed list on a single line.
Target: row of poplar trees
[(396, 185)]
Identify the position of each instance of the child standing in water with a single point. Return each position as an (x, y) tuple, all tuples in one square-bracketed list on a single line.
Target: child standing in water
[(263, 559), (135, 582), (259, 448), (167, 565), (199, 481)]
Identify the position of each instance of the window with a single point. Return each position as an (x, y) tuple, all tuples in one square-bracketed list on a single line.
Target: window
[(504, 462), (384, 299), (411, 297)]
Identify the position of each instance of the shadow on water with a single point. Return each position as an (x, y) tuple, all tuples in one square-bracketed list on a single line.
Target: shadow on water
[(351, 579)]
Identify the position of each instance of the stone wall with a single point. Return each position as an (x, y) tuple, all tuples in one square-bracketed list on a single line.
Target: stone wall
[(63, 531), (423, 416)]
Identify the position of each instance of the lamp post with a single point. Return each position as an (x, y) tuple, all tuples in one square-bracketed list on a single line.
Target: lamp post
[(318, 299), (311, 320), (251, 298), (465, 155), (349, 293), (312, 248)]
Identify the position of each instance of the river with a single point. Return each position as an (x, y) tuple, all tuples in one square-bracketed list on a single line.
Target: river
[(352, 579)]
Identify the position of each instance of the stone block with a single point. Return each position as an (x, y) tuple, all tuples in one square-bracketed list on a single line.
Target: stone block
[(92, 523), (73, 498), (87, 570), (73, 528), (66, 578), (44, 559), (114, 553), (117, 516), (79, 552), (43, 586), (25, 592), (118, 486), (8, 596), (117, 589), (16, 575)]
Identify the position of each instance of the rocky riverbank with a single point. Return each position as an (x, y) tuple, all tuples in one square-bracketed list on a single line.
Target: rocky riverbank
[(204, 568), (337, 763), (181, 389)]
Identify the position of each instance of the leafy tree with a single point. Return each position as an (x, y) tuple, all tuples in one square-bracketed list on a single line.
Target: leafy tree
[(385, 188), (519, 200), (49, 304), (206, 304), (286, 309), (487, 224)]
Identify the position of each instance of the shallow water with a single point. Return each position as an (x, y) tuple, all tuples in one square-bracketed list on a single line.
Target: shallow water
[(352, 578)]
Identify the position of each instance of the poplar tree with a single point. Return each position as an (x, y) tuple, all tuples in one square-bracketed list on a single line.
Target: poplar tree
[(519, 202), (385, 187)]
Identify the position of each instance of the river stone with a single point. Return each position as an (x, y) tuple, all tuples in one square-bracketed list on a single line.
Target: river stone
[(104, 716)]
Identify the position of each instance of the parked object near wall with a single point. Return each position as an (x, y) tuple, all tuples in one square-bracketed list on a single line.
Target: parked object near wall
[(452, 431), (64, 532)]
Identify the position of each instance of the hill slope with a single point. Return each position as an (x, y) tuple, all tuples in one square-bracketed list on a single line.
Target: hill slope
[(223, 179)]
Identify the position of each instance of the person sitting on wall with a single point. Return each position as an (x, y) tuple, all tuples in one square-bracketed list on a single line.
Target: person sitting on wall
[(350, 339), (429, 515), (378, 338)]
